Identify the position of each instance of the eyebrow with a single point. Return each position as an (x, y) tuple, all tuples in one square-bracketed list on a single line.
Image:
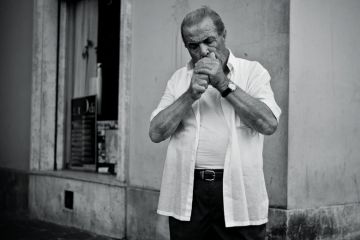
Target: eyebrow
[(206, 39)]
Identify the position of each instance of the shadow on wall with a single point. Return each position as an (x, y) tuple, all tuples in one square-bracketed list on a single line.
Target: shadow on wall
[(14, 191)]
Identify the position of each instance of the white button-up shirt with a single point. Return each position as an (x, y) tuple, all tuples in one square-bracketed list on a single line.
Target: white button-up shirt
[(244, 192)]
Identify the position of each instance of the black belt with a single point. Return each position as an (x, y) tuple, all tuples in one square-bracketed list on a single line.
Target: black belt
[(209, 174)]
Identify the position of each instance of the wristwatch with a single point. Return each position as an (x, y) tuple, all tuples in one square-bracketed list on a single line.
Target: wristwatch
[(230, 88)]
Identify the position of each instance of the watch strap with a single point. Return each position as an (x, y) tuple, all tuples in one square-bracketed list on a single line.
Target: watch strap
[(231, 87), (226, 92)]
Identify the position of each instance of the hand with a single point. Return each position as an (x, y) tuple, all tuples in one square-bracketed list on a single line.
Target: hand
[(212, 67), (199, 84)]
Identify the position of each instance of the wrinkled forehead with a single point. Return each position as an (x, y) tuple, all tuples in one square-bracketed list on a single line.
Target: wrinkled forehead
[(199, 31)]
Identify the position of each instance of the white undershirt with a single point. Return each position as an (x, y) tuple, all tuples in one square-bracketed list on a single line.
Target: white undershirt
[(214, 133)]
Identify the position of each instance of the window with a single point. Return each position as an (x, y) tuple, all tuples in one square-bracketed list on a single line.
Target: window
[(52, 83), (92, 69)]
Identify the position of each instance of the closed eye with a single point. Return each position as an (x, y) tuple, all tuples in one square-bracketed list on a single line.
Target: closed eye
[(209, 41), (192, 45)]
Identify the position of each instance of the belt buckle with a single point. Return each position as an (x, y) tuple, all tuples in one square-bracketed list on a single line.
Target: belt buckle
[(212, 172)]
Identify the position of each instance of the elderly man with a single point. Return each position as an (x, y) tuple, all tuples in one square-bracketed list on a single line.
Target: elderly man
[(216, 111)]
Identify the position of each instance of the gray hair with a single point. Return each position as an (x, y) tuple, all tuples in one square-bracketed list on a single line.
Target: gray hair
[(198, 15)]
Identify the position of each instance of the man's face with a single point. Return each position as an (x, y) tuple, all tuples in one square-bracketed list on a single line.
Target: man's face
[(202, 38)]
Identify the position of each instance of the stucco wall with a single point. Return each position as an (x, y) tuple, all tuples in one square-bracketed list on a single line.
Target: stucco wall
[(257, 30), (15, 82), (98, 206), (324, 103)]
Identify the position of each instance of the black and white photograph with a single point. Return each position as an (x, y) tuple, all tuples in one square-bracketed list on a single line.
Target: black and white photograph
[(180, 119)]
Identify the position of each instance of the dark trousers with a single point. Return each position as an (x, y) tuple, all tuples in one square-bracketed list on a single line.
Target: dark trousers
[(207, 218)]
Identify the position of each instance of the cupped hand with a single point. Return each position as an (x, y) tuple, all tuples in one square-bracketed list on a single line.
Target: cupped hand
[(199, 84), (212, 67)]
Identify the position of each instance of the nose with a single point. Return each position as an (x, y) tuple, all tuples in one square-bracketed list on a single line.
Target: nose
[(204, 50)]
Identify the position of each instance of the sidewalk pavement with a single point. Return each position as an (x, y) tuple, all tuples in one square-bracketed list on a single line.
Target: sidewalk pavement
[(30, 229)]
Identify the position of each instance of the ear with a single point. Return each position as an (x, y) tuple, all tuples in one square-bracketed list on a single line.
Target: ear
[(224, 34)]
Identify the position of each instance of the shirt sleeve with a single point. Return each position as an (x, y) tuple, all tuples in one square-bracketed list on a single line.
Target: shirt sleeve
[(167, 99), (259, 87)]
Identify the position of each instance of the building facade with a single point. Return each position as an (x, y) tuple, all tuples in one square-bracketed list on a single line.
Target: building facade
[(311, 164)]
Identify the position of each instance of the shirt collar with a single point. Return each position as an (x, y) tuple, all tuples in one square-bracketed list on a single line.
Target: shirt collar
[(231, 61)]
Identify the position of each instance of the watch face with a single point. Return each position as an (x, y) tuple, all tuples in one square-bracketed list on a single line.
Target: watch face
[(232, 86)]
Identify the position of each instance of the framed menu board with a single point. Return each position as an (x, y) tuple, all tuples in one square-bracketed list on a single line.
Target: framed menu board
[(83, 133)]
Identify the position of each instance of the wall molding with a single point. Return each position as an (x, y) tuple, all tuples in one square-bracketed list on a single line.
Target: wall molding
[(87, 177), (329, 222), (43, 97), (125, 77)]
